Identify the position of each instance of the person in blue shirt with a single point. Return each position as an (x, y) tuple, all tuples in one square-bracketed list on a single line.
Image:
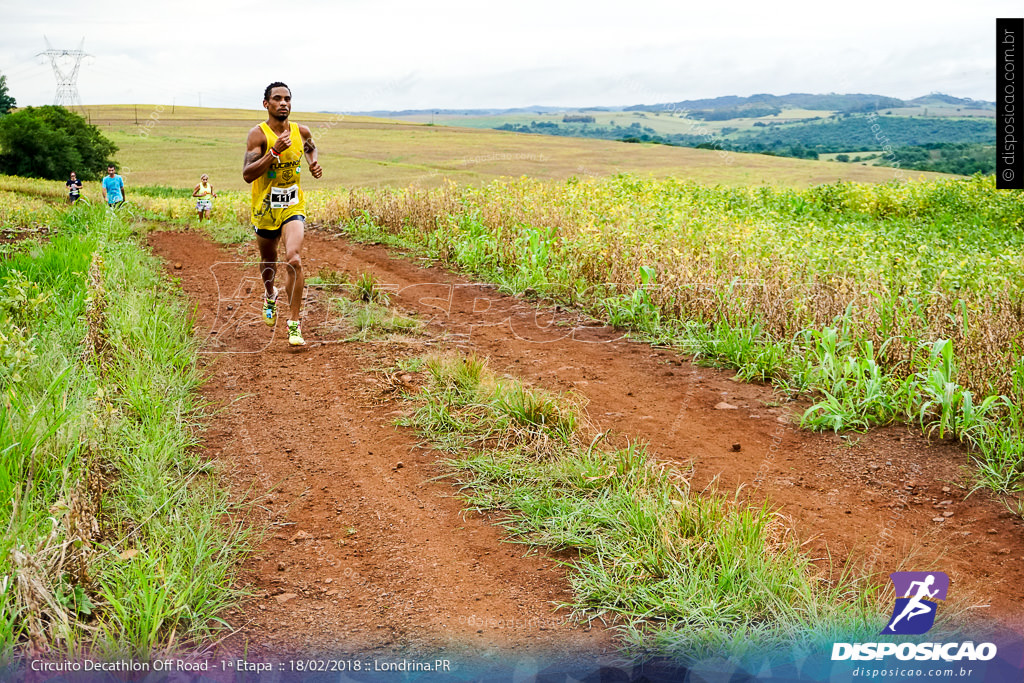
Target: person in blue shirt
[(113, 188)]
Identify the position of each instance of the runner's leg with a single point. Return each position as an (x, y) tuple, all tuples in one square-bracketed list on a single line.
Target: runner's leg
[(268, 261), (293, 233), (919, 610)]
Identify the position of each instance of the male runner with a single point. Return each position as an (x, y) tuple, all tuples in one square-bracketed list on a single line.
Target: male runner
[(113, 188), (273, 154)]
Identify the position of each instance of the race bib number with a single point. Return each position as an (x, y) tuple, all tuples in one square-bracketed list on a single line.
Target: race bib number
[(283, 197)]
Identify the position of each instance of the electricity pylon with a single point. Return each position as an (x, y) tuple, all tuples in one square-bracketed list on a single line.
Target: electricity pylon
[(66, 73)]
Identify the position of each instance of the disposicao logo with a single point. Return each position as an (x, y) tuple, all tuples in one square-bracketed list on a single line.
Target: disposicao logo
[(914, 613)]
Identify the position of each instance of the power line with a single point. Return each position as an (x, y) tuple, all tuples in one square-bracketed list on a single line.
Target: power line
[(67, 78)]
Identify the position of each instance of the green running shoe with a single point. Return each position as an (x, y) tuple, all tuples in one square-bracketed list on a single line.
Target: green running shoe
[(295, 333), (270, 309)]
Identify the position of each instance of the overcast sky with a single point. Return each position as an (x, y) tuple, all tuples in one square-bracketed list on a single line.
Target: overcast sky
[(350, 55)]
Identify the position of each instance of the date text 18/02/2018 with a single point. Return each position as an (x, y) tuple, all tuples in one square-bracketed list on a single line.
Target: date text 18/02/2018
[(329, 665)]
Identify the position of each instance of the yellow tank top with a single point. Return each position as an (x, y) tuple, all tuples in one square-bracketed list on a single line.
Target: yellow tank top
[(204, 191), (277, 194)]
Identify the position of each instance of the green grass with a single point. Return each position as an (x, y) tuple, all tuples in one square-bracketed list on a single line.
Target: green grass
[(225, 230), (681, 572), (156, 191), (368, 317), (367, 290), (117, 536), (328, 277)]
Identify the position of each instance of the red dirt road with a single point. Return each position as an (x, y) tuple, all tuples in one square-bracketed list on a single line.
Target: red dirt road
[(365, 554)]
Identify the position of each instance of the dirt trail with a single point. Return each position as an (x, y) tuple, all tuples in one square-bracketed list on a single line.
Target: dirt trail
[(310, 433), (364, 554)]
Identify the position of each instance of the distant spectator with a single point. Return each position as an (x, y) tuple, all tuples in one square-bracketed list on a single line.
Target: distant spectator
[(74, 188)]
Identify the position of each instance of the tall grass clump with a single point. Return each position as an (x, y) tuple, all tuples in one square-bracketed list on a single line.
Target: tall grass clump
[(116, 543), (681, 572), (367, 314)]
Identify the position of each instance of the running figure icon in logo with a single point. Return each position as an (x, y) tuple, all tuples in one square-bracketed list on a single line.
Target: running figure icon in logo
[(914, 612)]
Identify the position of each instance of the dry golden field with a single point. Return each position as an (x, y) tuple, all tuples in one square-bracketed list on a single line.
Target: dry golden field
[(161, 145)]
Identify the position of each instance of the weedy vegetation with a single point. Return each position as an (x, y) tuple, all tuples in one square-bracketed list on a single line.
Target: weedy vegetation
[(884, 302), (897, 302), (115, 540), (680, 572)]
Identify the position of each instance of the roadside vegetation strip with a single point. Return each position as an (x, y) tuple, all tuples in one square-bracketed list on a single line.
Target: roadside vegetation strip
[(679, 571), (44, 423), (886, 302), (117, 542)]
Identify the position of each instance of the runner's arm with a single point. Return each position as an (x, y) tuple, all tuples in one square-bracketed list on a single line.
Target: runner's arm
[(309, 147), (195, 191), (257, 160)]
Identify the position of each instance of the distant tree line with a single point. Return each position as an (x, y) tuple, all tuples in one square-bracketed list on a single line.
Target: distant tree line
[(631, 133), (729, 113), (946, 157), (848, 133), (856, 134)]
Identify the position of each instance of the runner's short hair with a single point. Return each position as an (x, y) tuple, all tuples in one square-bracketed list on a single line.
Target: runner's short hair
[(275, 84)]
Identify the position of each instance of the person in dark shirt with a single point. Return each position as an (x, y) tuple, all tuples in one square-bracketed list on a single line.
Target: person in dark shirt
[(74, 188)]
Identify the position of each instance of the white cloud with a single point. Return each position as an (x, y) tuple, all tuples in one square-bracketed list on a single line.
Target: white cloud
[(350, 55)]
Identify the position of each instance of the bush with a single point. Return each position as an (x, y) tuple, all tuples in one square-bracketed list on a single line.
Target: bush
[(50, 142)]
